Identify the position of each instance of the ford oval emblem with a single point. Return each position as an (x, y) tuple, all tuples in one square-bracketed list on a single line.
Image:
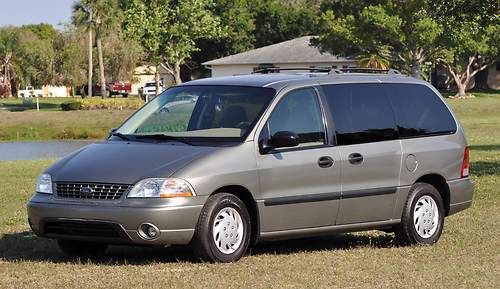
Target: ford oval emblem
[(86, 191)]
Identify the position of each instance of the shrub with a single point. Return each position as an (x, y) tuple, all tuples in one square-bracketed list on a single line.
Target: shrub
[(111, 104), (72, 105)]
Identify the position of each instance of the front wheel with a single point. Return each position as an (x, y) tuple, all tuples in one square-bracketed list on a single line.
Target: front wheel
[(72, 248), (223, 230), (423, 216)]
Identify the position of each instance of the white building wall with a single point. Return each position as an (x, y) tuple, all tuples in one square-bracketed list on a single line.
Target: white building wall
[(240, 69)]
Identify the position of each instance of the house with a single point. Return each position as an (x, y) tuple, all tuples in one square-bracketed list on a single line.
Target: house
[(146, 73), (295, 53)]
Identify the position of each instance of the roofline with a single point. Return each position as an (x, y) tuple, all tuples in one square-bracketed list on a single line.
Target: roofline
[(281, 62)]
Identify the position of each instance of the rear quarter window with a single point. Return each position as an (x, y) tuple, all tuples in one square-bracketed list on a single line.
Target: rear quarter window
[(419, 111)]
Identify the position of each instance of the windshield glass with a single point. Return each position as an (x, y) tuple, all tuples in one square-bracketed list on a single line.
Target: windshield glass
[(222, 112)]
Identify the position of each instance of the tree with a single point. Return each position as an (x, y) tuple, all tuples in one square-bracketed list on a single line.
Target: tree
[(8, 41), (97, 15), (278, 21), (402, 31), (34, 58), (169, 30), (121, 55), (71, 59), (238, 25), (472, 38)]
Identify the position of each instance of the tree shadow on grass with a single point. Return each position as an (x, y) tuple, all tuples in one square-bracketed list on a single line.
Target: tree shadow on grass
[(25, 246), (13, 107), (485, 168), (493, 147)]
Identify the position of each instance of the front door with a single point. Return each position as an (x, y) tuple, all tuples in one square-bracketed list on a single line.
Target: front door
[(367, 138), (300, 186)]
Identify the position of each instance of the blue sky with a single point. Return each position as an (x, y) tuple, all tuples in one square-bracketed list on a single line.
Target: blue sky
[(20, 12)]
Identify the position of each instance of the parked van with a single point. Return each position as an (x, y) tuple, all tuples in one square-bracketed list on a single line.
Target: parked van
[(223, 163)]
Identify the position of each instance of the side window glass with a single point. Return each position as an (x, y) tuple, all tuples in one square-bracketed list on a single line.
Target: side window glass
[(361, 113), (299, 112), (419, 111)]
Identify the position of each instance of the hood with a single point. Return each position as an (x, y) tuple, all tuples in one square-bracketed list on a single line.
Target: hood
[(125, 162)]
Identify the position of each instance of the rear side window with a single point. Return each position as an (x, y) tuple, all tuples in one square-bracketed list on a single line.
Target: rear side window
[(419, 111), (361, 113)]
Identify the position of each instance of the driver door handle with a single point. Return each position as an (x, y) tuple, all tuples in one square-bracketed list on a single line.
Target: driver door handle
[(325, 162)]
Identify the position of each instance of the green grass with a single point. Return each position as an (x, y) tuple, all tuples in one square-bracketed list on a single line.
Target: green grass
[(467, 256), (19, 121)]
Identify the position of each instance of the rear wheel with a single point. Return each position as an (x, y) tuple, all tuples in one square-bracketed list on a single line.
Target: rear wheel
[(423, 216), (223, 230), (125, 95), (72, 248)]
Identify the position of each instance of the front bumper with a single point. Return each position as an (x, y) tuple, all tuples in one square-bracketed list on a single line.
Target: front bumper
[(461, 191), (175, 218)]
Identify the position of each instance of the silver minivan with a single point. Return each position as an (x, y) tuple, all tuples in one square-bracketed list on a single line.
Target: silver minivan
[(223, 163)]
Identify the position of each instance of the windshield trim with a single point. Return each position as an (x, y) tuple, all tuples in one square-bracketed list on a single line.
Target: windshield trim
[(224, 140)]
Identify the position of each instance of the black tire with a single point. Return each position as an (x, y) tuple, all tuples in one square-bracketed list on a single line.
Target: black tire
[(76, 249), (125, 95), (406, 233), (203, 243)]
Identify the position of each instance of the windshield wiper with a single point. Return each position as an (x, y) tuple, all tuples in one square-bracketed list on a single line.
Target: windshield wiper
[(122, 136), (163, 137)]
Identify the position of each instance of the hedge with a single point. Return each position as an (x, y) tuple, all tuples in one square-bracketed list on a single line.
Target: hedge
[(111, 104)]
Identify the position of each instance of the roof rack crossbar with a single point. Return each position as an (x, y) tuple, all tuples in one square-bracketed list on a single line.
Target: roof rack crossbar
[(278, 69)]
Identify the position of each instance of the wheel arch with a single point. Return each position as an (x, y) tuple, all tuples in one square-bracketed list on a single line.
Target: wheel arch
[(247, 198), (439, 182)]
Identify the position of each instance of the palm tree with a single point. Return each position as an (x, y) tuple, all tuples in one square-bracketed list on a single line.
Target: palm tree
[(96, 15), (374, 61)]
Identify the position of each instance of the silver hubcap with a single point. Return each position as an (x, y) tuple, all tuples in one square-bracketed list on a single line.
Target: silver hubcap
[(228, 230), (426, 217)]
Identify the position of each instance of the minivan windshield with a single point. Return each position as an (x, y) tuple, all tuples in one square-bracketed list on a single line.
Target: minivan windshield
[(209, 112)]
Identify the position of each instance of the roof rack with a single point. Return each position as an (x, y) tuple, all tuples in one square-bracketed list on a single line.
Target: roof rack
[(365, 70), (278, 69), (328, 70)]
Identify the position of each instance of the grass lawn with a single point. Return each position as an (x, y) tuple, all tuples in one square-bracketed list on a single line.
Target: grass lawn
[(467, 256), (21, 122)]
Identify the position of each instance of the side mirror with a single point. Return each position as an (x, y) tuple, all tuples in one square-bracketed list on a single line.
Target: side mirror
[(280, 139)]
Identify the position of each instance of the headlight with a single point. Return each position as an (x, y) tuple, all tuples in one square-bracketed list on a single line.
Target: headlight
[(161, 188), (44, 184)]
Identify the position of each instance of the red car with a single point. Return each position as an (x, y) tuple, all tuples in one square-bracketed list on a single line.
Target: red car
[(112, 88)]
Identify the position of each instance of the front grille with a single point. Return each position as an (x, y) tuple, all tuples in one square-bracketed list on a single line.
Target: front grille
[(90, 191), (83, 229)]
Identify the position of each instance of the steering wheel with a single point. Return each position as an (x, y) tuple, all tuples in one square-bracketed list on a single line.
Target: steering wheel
[(243, 125)]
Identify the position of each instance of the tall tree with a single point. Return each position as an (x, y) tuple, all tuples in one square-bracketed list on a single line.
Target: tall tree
[(169, 30), (402, 31), (71, 60), (278, 21), (97, 15), (8, 41), (472, 38), (34, 58), (237, 22)]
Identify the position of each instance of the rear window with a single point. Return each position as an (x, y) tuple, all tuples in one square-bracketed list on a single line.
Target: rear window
[(419, 111), (361, 113)]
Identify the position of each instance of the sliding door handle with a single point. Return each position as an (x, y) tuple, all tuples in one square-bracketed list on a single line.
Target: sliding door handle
[(355, 158)]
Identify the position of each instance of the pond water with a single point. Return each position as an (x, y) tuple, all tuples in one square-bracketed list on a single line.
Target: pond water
[(12, 151)]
